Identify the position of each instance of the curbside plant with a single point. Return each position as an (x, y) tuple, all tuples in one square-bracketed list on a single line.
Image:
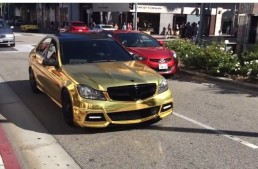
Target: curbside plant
[(214, 59)]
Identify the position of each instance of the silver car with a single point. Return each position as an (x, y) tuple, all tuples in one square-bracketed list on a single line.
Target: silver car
[(6, 34)]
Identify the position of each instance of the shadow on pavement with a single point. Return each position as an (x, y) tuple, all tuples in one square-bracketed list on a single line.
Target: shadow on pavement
[(215, 86)]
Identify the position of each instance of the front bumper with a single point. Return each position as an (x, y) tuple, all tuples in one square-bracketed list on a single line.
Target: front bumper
[(7, 41), (172, 67), (93, 113)]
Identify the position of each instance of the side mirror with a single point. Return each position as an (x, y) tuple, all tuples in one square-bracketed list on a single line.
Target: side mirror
[(124, 43), (161, 43), (49, 62)]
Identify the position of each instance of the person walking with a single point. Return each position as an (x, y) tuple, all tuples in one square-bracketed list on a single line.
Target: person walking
[(169, 30), (227, 30), (116, 26), (124, 26)]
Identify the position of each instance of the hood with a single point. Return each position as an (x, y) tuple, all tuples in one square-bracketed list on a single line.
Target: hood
[(151, 52), (103, 75), (6, 31)]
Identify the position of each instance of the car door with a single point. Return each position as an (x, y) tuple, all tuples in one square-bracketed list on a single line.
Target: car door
[(37, 66), (53, 74)]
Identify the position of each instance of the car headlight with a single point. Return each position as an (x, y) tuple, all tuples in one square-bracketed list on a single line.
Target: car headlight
[(90, 93), (163, 86), (174, 54), (9, 35), (140, 58)]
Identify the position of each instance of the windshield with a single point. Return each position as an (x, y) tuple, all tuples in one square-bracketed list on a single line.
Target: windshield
[(107, 26), (78, 24), (92, 51), (3, 25), (137, 40)]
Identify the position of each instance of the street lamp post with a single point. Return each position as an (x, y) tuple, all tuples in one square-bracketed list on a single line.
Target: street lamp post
[(135, 17), (200, 31)]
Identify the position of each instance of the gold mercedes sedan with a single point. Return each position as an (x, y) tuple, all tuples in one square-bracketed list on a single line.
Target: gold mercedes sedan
[(97, 82)]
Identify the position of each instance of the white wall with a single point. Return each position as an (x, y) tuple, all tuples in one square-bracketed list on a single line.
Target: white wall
[(218, 21), (165, 19)]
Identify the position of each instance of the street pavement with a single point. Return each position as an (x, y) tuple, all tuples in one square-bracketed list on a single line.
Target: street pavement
[(30, 146)]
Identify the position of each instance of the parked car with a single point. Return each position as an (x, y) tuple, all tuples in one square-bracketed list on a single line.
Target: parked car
[(97, 82), (74, 26), (6, 34), (147, 50), (29, 27), (101, 27)]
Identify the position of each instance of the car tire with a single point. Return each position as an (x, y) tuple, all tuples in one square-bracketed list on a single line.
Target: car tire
[(13, 45), (33, 82), (67, 108)]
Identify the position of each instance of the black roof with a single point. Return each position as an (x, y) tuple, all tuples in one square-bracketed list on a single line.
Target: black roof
[(77, 36)]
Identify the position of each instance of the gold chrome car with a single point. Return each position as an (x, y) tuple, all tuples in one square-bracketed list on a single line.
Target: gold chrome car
[(96, 81)]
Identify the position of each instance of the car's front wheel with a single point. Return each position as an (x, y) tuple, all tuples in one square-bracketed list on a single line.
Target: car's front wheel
[(33, 82), (67, 108)]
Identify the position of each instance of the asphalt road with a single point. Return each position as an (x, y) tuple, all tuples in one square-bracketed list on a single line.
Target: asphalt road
[(213, 126)]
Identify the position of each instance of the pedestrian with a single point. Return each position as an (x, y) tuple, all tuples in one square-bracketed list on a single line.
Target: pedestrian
[(169, 30), (124, 26), (163, 31), (176, 30), (182, 30), (227, 29), (116, 26), (130, 26)]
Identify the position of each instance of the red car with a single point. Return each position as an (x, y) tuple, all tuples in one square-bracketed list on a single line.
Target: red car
[(147, 50), (76, 26)]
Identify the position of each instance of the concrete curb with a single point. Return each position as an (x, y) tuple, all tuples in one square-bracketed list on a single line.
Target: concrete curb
[(221, 79), (33, 146)]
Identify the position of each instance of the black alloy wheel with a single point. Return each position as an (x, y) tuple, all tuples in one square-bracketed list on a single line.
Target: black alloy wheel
[(67, 108)]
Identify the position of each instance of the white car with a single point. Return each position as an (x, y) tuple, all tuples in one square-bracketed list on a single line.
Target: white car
[(6, 34), (101, 27)]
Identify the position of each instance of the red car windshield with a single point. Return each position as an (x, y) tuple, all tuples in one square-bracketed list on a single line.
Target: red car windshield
[(137, 40), (78, 24)]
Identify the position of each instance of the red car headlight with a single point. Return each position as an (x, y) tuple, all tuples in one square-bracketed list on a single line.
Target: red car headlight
[(140, 58)]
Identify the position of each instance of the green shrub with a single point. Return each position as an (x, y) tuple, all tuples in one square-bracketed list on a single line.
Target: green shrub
[(212, 58)]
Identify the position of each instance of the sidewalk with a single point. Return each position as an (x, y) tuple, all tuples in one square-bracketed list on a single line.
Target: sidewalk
[(24, 139)]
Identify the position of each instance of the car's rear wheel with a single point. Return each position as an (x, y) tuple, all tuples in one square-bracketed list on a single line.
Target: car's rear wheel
[(33, 82), (67, 108)]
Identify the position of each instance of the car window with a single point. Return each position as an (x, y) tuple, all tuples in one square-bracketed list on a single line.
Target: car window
[(107, 26), (43, 47), (137, 40), (52, 50), (3, 25), (91, 51)]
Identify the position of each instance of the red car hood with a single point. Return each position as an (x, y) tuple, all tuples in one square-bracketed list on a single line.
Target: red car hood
[(151, 52)]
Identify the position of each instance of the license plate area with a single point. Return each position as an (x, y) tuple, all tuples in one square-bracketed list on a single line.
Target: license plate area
[(163, 66)]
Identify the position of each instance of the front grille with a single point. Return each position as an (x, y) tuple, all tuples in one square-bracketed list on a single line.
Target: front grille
[(161, 60), (133, 115), (132, 92), (2, 36)]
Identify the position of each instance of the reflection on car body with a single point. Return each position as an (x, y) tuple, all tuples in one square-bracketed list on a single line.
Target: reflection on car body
[(97, 82)]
